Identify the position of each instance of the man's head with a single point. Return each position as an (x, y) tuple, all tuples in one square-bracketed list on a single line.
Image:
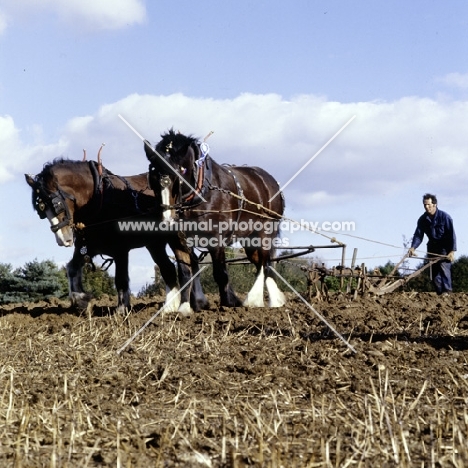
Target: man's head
[(430, 203)]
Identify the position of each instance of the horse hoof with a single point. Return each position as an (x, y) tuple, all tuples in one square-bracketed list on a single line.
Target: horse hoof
[(172, 301), (253, 301), (200, 305), (275, 304), (276, 296), (79, 300), (185, 310), (122, 310)]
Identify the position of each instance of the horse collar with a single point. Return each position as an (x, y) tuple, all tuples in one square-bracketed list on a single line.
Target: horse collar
[(202, 171)]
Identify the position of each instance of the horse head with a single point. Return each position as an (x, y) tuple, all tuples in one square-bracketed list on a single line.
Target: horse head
[(54, 198), (173, 170)]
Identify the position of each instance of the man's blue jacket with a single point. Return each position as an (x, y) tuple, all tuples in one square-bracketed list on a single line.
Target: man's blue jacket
[(439, 230)]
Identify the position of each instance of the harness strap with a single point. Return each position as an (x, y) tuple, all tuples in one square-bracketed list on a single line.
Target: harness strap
[(240, 199), (203, 170), (199, 185), (102, 182)]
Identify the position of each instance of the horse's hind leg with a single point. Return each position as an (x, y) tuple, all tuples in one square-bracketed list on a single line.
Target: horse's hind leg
[(261, 259), (227, 295), (276, 297), (78, 297), (255, 295)]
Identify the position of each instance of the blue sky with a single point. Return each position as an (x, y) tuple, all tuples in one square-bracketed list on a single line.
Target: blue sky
[(273, 79)]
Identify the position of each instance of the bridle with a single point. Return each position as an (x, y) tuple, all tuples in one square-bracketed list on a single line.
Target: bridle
[(200, 170), (55, 201)]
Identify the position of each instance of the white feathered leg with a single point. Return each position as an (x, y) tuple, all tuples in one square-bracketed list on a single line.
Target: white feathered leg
[(255, 296)]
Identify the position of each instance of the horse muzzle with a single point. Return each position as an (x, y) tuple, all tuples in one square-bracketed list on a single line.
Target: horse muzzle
[(168, 214), (63, 231)]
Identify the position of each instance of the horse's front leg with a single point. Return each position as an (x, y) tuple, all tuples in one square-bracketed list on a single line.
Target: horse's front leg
[(227, 295), (122, 282), (78, 296), (198, 299), (168, 273), (185, 280)]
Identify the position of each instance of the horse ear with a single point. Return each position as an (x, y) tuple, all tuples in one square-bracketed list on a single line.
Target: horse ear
[(148, 150), (29, 180)]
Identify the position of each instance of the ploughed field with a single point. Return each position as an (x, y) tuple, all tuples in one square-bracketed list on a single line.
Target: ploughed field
[(237, 387)]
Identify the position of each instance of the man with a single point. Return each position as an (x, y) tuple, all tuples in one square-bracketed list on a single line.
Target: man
[(438, 227)]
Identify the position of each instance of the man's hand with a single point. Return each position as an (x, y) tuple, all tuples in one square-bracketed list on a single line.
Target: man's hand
[(411, 252), (451, 256)]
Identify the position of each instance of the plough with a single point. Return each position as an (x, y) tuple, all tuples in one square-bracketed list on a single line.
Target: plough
[(357, 279), (365, 282)]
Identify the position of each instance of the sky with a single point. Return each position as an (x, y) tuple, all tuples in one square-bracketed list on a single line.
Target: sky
[(373, 95)]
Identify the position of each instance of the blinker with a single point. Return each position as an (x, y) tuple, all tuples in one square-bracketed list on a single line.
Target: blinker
[(41, 207), (165, 181)]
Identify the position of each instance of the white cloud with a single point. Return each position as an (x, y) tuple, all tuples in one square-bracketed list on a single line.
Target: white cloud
[(373, 173), (4, 20), (16, 156), (10, 148), (101, 14), (388, 147), (455, 80), (82, 14), (388, 144)]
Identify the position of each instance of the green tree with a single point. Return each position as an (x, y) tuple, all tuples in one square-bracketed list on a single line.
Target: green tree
[(423, 283), (98, 282), (156, 288), (460, 274), (388, 268), (31, 282), (6, 278)]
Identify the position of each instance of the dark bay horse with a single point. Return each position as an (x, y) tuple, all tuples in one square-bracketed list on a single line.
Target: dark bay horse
[(86, 204), (216, 205)]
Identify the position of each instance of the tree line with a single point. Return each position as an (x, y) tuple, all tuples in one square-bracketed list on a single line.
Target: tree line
[(43, 280)]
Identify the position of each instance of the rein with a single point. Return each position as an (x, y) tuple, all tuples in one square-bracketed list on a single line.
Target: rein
[(102, 184)]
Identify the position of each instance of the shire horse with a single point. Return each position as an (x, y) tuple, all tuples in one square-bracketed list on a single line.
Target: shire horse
[(216, 205), (84, 203)]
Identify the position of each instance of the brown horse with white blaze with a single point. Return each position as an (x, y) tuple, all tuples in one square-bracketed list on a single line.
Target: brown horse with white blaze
[(217, 205), (85, 205)]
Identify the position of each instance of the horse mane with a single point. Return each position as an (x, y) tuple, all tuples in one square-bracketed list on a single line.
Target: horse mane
[(179, 141), (46, 176), (60, 161)]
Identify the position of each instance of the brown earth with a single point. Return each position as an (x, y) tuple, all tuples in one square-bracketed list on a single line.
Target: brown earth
[(237, 387)]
